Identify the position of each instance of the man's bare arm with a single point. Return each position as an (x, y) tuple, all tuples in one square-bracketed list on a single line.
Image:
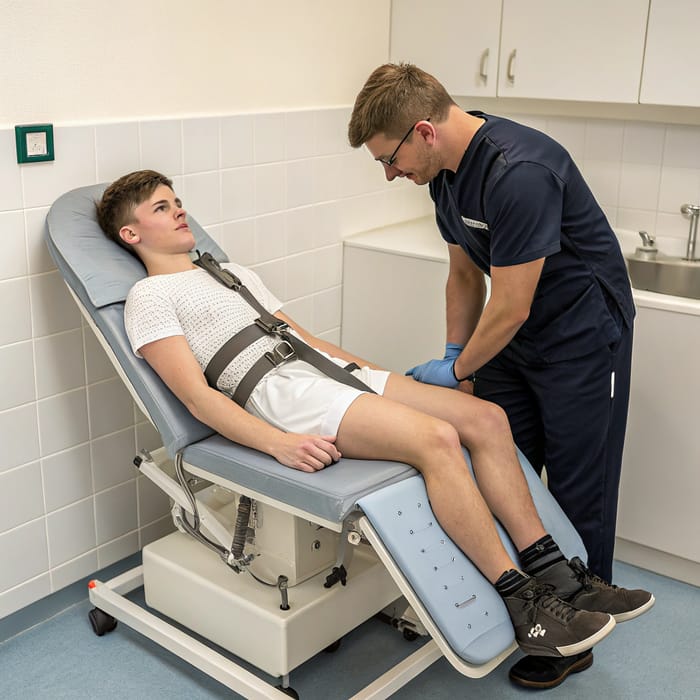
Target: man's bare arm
[(173, 361), (512, 291)]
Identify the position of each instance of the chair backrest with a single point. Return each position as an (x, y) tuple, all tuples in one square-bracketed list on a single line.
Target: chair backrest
[(100, 273)]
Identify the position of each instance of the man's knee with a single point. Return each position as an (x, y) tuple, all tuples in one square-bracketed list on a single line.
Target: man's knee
[(440, 438), (491, 422)]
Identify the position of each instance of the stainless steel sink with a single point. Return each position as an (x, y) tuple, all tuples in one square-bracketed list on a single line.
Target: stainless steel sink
[(664, 274)]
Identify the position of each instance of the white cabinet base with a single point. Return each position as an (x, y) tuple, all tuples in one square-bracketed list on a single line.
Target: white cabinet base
[(657, 561), (394, 294)]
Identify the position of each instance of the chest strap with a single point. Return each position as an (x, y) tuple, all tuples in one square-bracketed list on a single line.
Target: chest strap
[(289, 347)]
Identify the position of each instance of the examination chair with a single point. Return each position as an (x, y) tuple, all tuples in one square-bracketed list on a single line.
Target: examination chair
[(272, 564)]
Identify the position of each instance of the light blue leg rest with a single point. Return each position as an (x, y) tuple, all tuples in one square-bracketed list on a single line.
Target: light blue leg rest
[(459, 601)]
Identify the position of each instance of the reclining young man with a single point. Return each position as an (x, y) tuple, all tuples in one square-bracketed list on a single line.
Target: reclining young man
[(179, 316)]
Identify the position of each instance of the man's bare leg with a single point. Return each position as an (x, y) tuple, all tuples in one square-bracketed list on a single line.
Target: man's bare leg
[(375, 427), (483, 428)]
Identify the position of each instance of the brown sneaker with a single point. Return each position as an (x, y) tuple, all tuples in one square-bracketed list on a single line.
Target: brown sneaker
[(548, 626), (579, 586)]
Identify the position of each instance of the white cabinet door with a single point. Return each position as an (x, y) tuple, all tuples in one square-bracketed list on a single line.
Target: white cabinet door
[(671, 75), (572, 50), (454, 40), (660, 486), (388, 318), (394, 294)]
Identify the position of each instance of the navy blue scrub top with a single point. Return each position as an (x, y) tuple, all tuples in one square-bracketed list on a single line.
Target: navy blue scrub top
[(518, 196)]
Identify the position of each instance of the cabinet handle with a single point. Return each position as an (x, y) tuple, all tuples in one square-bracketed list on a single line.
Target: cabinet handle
[(511, 61), (483, 66)]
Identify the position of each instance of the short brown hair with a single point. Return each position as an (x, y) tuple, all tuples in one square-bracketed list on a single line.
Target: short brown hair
[(116, 208), (395, 96)]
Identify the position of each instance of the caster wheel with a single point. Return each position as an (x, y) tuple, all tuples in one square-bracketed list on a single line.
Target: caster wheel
[(101, 622), (409, 635), (289, 691), (332, 648)]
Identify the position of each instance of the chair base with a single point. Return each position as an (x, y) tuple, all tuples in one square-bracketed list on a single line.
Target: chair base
[(190, 584)]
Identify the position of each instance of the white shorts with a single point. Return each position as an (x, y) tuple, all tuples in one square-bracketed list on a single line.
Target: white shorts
[(298, 398)]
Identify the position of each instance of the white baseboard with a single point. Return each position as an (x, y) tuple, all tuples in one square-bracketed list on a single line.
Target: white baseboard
[(657, 561)]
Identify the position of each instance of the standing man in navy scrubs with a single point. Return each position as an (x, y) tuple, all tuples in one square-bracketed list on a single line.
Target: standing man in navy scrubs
[(553, 343)]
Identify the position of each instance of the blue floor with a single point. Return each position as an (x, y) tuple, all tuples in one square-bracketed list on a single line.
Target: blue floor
[(654, 657)]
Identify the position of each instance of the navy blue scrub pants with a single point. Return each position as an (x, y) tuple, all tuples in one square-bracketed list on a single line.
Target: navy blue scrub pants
[(565, 416)]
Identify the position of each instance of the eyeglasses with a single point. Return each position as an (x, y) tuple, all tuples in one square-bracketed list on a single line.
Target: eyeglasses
[(392, 158)]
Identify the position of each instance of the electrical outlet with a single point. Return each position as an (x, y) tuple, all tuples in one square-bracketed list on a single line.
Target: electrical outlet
[(34, 142)]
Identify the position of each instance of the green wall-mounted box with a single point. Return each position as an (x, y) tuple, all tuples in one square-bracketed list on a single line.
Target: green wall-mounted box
[(34, 142)]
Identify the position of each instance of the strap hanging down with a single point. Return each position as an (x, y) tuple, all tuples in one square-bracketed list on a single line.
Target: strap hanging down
[(290, 346)]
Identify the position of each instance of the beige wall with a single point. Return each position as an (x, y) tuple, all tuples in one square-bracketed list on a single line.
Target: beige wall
[(91, 60)]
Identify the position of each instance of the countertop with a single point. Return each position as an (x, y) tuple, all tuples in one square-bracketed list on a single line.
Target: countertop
[(419, 238)]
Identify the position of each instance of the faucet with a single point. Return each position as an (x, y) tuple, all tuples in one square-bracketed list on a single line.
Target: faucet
[(648, 249), (648, 241), (693, 211)]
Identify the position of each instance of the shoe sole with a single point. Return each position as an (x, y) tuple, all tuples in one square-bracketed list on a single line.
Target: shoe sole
[(580, 665), (631, 614), (571, 649), (585, 644)]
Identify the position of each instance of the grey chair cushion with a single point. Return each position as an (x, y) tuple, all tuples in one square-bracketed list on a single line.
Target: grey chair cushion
[(101, 273), (103, 269)]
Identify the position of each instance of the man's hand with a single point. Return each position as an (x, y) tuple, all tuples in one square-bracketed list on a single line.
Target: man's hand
[(308, 453), (439, 372)]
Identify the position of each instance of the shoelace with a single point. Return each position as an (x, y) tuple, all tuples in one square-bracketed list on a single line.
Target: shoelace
[(586, 577), (542, 593)]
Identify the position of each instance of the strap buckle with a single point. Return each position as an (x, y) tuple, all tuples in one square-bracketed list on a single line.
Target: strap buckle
[(209, 263), (232, 281), (282, 352), (275, 328)]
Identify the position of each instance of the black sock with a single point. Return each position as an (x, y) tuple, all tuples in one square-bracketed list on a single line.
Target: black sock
[(540, 555), (510, 581)]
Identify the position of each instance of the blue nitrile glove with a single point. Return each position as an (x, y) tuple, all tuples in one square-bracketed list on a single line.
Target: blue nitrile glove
[(440, 372), (452, 351)]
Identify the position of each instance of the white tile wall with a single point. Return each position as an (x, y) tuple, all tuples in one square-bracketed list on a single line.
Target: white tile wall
[(112, 457), (37, 252), (161, 146), (11, 190), (16, 375), (116, 150), (117, 512), (640, 172), (237, 142), (269, 138), (15, 311), (67, 477), (122, 547), (74, 569), (14, 262), (15, 544), (63, 421), (273, 189), (152, 501), (200, 140), (279, 191), (71, 531), (75, 165), (19, 436), (60, 363), (21, 496)]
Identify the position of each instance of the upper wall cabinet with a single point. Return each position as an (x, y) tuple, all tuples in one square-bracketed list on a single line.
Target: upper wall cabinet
[(455, 40), (572, 50), (552, 49), (671, 75)]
